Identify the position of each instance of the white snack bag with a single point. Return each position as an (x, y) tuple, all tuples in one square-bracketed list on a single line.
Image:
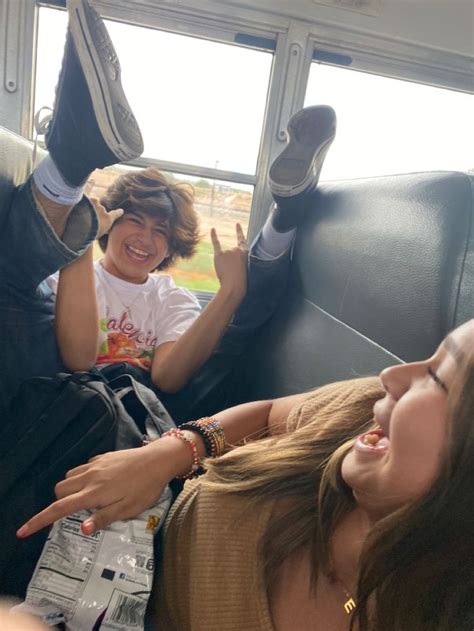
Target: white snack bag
[(100, 581)]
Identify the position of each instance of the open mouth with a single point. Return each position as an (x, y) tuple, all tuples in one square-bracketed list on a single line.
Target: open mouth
[(375, 441), (141, 256)]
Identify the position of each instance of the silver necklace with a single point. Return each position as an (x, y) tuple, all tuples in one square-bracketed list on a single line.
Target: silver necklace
[(127, 307)]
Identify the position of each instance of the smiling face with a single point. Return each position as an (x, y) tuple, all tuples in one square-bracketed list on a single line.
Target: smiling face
[(136, 245), (393, 466)]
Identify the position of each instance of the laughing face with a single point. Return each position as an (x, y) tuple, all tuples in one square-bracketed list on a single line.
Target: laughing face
[(136, 245), (397, 464)]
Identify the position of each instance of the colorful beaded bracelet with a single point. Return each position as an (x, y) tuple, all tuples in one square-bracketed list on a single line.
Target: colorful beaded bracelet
[(196, 465), (212, 433)]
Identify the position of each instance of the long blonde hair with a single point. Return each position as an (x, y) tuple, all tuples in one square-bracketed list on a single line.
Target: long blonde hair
[(290, 467), (422, 542)]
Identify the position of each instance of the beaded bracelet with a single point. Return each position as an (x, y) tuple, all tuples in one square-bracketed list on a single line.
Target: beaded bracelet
[(209, 444), (212, 433), (196, 466), (216, 434)]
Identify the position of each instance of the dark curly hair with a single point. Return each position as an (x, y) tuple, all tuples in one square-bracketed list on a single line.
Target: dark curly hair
[(149, 191)]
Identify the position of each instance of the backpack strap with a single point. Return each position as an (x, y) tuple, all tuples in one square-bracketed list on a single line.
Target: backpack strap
[(143, 405)]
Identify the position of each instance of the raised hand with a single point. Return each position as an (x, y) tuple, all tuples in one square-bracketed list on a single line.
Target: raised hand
[(231, 265), (105, 218)]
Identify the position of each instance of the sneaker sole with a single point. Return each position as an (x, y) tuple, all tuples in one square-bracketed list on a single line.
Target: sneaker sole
[(102, 73), (297, 165)]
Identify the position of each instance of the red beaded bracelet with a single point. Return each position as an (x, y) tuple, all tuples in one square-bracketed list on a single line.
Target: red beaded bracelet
[(196, 466)]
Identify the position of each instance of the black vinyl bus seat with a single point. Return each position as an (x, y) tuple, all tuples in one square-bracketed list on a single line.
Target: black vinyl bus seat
[(383, 269), (16, 162)]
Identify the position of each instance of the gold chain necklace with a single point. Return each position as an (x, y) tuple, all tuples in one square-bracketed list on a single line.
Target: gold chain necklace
[(350, 605)]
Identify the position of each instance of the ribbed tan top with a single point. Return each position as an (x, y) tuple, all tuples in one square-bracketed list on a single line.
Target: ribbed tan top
[(212, 575)]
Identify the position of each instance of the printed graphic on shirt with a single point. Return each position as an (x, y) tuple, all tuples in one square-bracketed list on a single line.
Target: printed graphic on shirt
[(124, 342), (135, 319)]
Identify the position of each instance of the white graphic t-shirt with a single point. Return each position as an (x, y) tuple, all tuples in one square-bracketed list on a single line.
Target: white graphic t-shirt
[(136, 319)]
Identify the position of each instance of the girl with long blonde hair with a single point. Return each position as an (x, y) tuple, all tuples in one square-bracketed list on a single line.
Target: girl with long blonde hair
[(347, 508)]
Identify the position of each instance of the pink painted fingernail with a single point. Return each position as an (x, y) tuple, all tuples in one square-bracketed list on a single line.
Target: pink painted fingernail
[(22, 532), (88, 527)]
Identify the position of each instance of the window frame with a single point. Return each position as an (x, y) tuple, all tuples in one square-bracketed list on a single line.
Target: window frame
[(386, 57)]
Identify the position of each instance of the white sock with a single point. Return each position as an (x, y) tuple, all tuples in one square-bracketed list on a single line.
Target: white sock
[(272, 243), (51, 184)]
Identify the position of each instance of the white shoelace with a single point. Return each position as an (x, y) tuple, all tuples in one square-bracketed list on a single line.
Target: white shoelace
[(40, 122)]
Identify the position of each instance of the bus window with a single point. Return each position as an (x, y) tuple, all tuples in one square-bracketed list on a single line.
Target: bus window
[(388, 126), (199, 103)]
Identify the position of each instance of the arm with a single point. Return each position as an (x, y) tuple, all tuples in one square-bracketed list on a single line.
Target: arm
[(175, 362), (77, 318), (122, 484)]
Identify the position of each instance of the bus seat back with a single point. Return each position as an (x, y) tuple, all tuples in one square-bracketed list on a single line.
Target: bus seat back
[(383, 269), (16, 162)]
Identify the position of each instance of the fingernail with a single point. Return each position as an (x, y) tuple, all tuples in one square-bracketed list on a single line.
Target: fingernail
[(22, 532), (87, 527)]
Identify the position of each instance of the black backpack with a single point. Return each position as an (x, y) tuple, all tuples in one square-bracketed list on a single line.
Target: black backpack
[(55, 425)]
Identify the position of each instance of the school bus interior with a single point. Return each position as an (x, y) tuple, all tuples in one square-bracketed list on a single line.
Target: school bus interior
[(384, 264)]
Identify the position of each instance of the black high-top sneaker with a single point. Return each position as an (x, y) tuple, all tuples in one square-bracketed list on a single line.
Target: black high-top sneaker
[(92, 124), (295, 172)]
